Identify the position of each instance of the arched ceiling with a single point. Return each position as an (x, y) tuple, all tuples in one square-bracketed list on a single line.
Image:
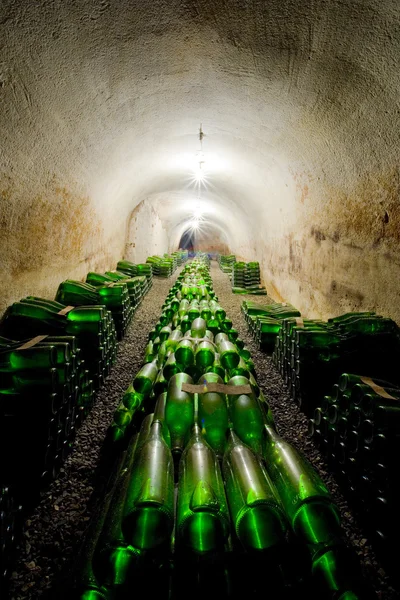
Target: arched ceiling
[(299, 101)]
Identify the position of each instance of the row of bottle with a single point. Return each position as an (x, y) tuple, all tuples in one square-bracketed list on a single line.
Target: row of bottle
[(138, 286), (164, 266), (226, 262), (92, 326), (136, 270), (246, 279), (357, 427), (312, 354), (47, 386), (266, 498)]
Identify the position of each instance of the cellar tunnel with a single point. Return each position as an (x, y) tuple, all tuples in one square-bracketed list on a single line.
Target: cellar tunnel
[(265, 130), (101, 105)]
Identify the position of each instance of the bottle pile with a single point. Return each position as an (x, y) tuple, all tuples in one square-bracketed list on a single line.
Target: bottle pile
[(143, 270), (246, 279), (163, 266), (181, 256), (114, 296), (226, 262), (265, 321), (357, 427), (48, 379), (246, 499), (311, 354)]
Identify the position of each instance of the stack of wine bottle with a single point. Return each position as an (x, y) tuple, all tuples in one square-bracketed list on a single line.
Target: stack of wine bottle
[(265, 321), (163, 266), (311, 354), (358, 429), (194, 426), (143, 270), (246, 279), (226, 262), (53, 356), (114, 296), (181, 256)]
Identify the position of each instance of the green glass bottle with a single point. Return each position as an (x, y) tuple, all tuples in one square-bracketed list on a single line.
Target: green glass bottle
[(246, 416), (202, 513), (145, 378), (216, 367), (149, 506), (159, 415), (149, 353), (185, 324), (213, 414), (228, 354), (171, 367), (240, 370), (174, 339), (213, 325), (305, 498), (36, 357), (184, 353), (198, 328), (165, 332), (114, 557), (85, 583), (179, 412), (253, 503), (205, 355), (337, 575), (160, 384), (131, 398)]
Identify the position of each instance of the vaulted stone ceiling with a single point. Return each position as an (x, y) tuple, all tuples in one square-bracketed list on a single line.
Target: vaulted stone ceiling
[(100, 105)]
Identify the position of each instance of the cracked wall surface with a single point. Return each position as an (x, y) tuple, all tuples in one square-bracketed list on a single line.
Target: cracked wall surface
[(100, 103)]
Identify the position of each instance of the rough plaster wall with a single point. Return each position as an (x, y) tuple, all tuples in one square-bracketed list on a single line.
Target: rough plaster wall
[(300, 104), (146, 235)]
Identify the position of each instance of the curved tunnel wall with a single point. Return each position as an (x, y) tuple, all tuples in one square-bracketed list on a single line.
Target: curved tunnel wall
[(100, 105)]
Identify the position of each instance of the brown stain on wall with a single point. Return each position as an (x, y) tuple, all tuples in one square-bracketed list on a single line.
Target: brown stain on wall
[(54, 227)]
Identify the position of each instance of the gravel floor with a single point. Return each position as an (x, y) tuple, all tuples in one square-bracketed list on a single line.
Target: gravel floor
[(54, 531)]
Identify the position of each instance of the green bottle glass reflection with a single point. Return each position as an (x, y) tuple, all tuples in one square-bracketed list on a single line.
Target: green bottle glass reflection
[(86, 584), (184, 353), (170, 368), (179, 412), (174, 339), (305, 498), (213, 325), (149, 353), (160, 384), (213, 414), (216, 367), (205, 355), (164, 333), (202, 514), (149, 506), (131, 398), (159, 415), (37, 357), (253, 503), (240, 370), (228, 354), (114, 557), (144, 380), (335, 574), (198, 328), (246, 416)]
